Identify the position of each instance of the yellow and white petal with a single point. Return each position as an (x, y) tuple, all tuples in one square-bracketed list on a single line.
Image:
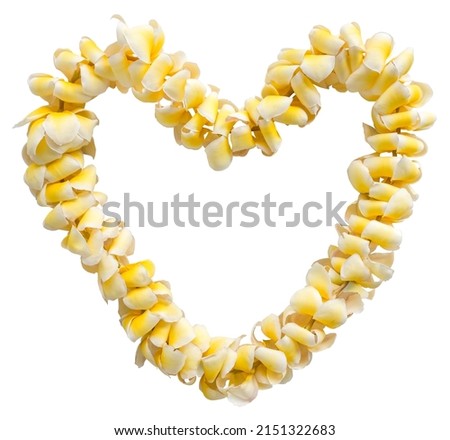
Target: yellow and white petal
[(324, 41), (270, 326), (61, 127), (332, 313), (114, 288), (212, 365), (123, 244), (169, 116), (136, 276), (75, 208), (172, 360), (378, 48), (306, 301), (273, 360), (70, 92), (85, 180), (35, 176), (218, 153), (107, 267), (67, 62), (406, 170), (56, 219), (241, 138), (272, 106), (90, 50), (317, 67), (293, 116), (141, 298), (383, 234), (291, 349), (245, 392), (167, 312), (351, 34), (279, 75), (58, 192), (351, 244), (93, 84), (174, 87), (306, 92), (93, 219), (399, 206), (396, 96), (62, 168), (299, 334), (355, 270), (223, 123), (202, 338), (270, 134), (245, 358), (195, 92), (160, 333), (140, 40), (181, 333), (138, 325), (155, 77), (192, 363), (318, 277), (158, 38), (42, 85), (209, 107), (210, 390)]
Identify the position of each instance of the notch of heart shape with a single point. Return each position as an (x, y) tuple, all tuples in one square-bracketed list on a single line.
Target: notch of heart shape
[(60, 136)]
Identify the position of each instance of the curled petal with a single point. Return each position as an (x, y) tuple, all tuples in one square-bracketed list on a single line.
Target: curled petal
[(141, 298), (299, 334), (272, 106), (172, 360), (318, 277), (354, 269), (324, 41), (61, 127), (156, 74), (140, 40), (306, 92), (332, 313), (306, 301), (114, 288), (274, 360), (270, 326), (181, 333), (317, 67), (219, 153), (137, 325)]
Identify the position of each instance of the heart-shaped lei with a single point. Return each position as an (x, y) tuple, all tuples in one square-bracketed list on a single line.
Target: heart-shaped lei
[(60, 135)]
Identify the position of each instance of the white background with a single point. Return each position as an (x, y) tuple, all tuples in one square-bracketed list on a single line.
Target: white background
[(67, 369)]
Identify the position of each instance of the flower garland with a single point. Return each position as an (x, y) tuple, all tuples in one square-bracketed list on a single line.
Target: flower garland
[(60, 135)]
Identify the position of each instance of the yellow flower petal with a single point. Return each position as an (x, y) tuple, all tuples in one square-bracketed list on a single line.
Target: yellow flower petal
[(355, 270), (317, 67), (332, 313), (318, 277), (140, 40), (181, 333), (172, 360), (141, 298), (219, 153), (273, 360), (306, 301), (270, 326)]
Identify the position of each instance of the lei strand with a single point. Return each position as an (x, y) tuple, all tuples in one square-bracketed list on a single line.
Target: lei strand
[(60, 135)]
